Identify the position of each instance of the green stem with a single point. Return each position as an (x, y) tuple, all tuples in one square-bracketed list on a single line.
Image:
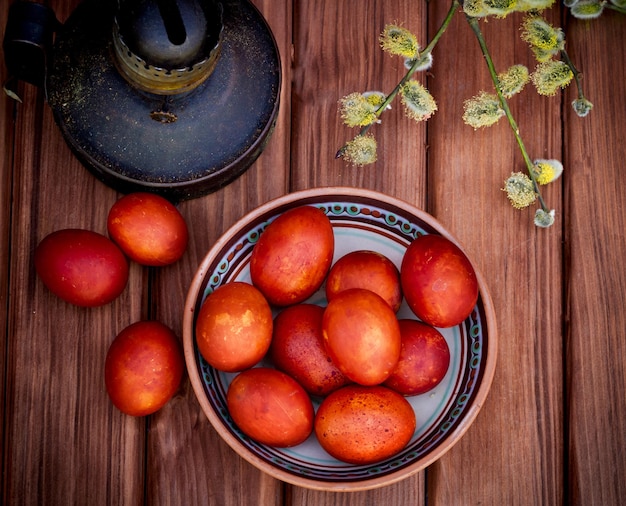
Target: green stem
[(427, 50), (577, 74), (473, 22)]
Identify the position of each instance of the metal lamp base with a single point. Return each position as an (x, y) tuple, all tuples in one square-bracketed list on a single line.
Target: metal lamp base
[(181, 146)]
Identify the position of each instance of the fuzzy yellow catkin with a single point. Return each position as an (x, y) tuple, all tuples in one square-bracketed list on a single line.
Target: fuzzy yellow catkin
[(361, 150), (399, 41), (551, 75), (520, 190), (419, 104), (482, 110)]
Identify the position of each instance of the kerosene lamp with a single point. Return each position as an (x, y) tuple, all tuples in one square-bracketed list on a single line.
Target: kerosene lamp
[(178, 97)]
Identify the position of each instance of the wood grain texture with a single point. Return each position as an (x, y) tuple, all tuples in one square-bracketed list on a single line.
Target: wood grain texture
[(61, 431), (552, 430), (596, 280), (188, 463), (63, 437), (7, 132), (517, 438), (336, 54)]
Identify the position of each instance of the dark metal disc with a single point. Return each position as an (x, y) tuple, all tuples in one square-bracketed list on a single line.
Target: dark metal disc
[(181, 146)]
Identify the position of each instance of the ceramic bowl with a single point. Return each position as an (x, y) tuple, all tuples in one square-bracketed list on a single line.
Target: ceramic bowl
[(361, 219)]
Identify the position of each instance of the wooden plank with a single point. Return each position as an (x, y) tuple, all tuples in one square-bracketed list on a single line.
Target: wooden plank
[(63, 433), (336, 52), (596, 248), (545, 435), (188, 463), (513, 453), (7, 134), (66, 444)]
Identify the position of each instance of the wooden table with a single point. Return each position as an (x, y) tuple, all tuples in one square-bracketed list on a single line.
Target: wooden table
[(553, 429)]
